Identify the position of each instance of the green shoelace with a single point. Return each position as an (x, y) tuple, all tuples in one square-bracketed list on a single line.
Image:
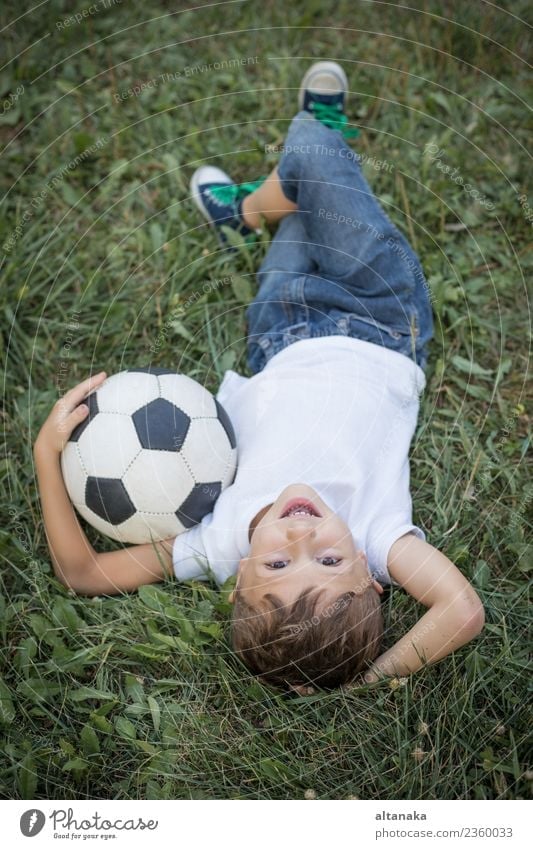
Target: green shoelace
[(333, 118), (235, 191)]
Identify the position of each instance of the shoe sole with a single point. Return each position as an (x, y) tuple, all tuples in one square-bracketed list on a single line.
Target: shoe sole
[(325, 67)]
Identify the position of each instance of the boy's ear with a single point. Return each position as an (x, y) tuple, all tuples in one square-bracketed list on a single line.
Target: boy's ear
[(231, 597), (378, 588)]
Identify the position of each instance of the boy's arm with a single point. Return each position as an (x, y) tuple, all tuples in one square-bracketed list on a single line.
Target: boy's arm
[(75, 562), (455, 613)]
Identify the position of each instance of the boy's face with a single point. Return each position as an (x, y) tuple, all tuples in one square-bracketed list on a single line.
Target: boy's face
[(298, 543)]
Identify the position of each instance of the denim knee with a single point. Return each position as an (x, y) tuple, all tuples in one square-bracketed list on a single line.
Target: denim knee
[(307, 142)]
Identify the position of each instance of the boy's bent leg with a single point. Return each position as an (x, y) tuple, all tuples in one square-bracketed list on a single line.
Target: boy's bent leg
[(351, 238), (288, 256)]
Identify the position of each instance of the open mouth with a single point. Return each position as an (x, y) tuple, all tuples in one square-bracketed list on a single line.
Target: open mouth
[(299, 507)]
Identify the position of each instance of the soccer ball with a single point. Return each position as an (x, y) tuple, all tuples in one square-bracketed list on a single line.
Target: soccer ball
[(151, 457)]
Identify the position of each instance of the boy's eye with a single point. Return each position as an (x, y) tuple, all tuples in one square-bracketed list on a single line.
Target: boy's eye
[(277, 564), (333, 561), (327, 560)]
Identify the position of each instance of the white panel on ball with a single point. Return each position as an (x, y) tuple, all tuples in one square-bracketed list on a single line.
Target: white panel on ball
[(127, 392), (116, 431), (231, 468), (144, 527), (73, 472), (187, 394), (206, 449), (155, 479)]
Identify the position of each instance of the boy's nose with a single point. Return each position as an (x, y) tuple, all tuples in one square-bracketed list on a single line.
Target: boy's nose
[(300, 528)]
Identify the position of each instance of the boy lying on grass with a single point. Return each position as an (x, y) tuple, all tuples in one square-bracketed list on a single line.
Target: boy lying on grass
[(319, 515)]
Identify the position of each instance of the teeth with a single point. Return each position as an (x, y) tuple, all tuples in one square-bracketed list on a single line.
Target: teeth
[(300, 511)]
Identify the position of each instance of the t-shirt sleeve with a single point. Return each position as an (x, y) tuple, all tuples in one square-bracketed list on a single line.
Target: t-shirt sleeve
[(392, 518), (382, 534), (206, 550), (189, 557)]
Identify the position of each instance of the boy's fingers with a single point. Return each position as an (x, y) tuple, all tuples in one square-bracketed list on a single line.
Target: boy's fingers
[(73, 397), (73, 420)]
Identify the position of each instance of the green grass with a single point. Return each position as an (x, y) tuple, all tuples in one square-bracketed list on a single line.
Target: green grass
[(140, 696)]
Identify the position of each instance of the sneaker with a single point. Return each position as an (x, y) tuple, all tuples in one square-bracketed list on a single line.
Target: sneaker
[(323, 94), (219, 199)]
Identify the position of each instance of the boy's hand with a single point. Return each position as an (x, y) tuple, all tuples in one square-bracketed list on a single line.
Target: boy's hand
[(75, 562), (66, 414), (455, 614)]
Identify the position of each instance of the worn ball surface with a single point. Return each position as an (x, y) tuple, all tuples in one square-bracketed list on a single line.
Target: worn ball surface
[(151, 457)]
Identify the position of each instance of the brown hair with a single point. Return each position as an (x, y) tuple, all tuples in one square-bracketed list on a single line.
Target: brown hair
[(292, 645)]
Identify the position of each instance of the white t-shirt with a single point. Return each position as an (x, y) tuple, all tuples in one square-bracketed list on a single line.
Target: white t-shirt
[(332, 412)]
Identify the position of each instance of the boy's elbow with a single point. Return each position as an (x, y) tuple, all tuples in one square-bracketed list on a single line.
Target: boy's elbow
[(69, 581), (77, 580), (476, 621), (471, 615)]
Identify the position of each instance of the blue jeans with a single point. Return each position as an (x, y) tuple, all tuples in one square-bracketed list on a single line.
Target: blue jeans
[(337, 266)]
